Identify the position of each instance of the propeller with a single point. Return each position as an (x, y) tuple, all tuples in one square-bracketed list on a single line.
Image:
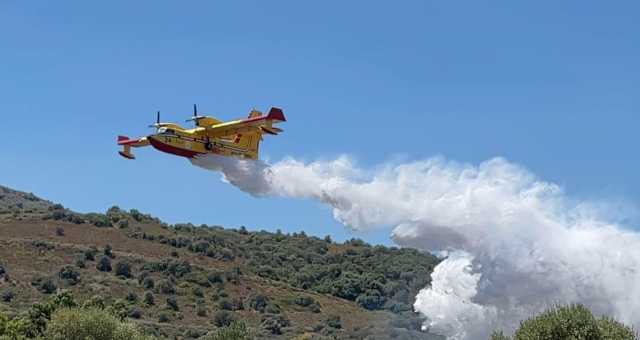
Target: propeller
[(195, 117), (157, 124)]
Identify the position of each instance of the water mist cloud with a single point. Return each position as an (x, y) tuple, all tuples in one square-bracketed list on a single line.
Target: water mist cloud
[(516, 244)]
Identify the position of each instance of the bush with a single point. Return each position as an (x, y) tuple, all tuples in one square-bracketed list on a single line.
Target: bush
[(90, 254), (148, 283), (258, 302), (197, 291), (108, 251), (104, 265), (69, 274), (274, 323), (166, 287), (172, 303), (80, 263), (569, 322), (7, 296), (135, 313), (123, 269), (334, 321), (46, 286), (148, 298), (59, 231), (225, 304), (215, 277), (237, 330), (223, 318), (76, 323), (163, 317), (132, 297)]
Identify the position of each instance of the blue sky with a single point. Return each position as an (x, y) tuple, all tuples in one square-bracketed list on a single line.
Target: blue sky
[(551, 85)]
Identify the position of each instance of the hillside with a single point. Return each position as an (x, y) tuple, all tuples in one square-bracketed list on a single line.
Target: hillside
[(183, 281)]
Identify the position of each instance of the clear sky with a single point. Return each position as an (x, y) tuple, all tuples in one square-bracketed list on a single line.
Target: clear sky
[(551, 85)]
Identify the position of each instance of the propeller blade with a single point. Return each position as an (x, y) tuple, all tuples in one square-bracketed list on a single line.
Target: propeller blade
[(158, 118), (195, 110)]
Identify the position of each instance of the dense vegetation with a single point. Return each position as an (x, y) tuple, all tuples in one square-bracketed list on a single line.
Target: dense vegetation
[(375, 277), (574, 322), (200, 282)]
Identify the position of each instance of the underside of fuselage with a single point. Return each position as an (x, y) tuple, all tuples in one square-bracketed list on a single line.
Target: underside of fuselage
[(190, 147)]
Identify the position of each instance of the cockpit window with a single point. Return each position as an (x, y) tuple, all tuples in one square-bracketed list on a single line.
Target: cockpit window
[(165, 131)]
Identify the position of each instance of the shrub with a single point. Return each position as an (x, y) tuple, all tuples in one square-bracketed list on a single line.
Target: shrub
[(569, 322), (108, 251), (333, 321), (172, 303), (95, 301), (80, 263), (215, 277), (258, 302), (7, 296), (123, 269), (166, 287), (76, 323), (197, 291), (90, 254), (148, 298), (274, 323), (59, 231), (104, 265), (163, 317), (118, 309), (148, 283), (225, 304), (237, 330), (46, 286), (135, 313), (223, 318), (69, 274), (132, 297)]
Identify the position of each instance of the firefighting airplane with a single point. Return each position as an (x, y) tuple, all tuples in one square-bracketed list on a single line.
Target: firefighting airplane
[(238, 138)]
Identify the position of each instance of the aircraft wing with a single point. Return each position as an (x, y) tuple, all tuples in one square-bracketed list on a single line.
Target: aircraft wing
[(128, 143), (262, 124)]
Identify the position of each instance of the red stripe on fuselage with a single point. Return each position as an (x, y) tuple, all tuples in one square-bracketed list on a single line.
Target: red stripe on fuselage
[(172, 149)]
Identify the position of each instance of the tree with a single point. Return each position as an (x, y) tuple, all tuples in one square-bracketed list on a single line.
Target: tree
[(104, 265), (123, 269), (172, 303), (568, 323), (69, 274), (148, 298), (7, 296)]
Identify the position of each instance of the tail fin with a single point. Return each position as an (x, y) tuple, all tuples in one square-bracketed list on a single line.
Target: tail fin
[(276, 114)]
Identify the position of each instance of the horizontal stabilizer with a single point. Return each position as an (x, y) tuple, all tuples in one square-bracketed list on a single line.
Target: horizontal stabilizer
[(271, 131)]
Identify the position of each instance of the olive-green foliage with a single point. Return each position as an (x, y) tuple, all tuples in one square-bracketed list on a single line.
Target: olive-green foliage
[(104, 265), (33, 322), (148, 298), (123, 269), (376, 277), (223, 318), (237, 330), (69, 274), (95, 324), (574, 322)]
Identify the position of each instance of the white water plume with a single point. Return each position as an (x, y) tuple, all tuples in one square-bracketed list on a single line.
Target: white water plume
[(516, 244)]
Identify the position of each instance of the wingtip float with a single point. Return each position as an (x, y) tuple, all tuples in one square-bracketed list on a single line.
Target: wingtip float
[(239, 138)]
